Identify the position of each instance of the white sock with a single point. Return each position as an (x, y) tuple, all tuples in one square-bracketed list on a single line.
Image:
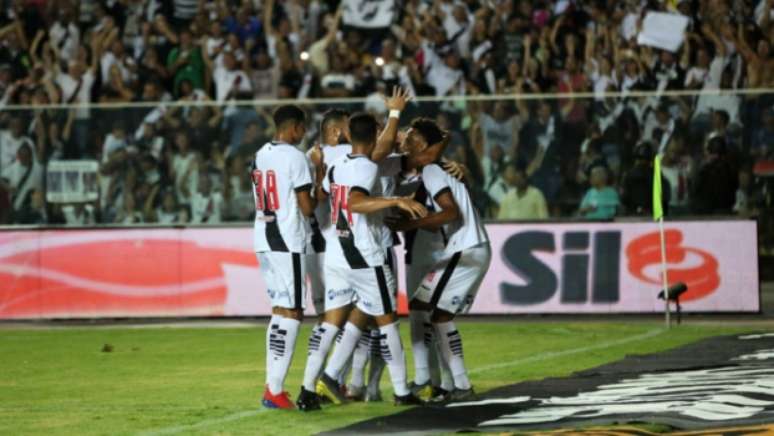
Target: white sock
[(342, 378), (359, 360), (392, 352), (273, 323), (343, 351), (447, 381), (376, 368), (450, 342), (283, 343), (319, 343), (421, 340)]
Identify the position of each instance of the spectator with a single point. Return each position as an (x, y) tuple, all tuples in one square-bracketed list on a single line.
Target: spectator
[(206, 203), (716, 181), (168, 211), (21, 179), (522, 201), (746, 203), (676, 169), (601, 201), (185, 62), (637, 186), (128, 213), (12, 140)]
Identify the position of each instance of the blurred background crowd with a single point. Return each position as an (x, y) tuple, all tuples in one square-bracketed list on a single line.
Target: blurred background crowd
[(182, 86)]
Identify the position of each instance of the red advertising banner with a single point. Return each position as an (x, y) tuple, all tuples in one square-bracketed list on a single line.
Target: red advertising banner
[(536, 268)]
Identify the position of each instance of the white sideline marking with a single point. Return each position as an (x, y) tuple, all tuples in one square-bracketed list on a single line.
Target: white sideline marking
[(490, 401), (552, 354), (202, 424), (536, 358)]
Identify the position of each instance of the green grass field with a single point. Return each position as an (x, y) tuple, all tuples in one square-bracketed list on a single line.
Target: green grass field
[(209, 380)]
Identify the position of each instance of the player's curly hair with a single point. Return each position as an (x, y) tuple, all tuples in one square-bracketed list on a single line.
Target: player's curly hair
[(429, 130)]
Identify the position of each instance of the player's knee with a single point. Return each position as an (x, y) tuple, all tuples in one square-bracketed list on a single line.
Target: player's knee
[(439, 316), (337, 317)]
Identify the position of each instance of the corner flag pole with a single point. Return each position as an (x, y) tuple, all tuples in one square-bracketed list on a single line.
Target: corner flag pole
[(658, 215)]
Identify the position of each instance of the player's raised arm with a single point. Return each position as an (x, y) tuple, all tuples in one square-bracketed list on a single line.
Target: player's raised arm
[(385, 144)]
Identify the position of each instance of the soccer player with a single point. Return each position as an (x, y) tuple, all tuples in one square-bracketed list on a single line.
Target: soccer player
[(356, 263), (334, 143), (282, 186), (360, 261), (451, 286), (423, 249)]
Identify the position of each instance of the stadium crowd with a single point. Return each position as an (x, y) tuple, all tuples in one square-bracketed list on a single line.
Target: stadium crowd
[(196, 72)]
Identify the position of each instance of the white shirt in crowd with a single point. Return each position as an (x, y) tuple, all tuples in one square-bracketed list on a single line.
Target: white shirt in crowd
[(9, 147), (185, 168), (226, 80), (23, 180), (77, 91), (207, 208), (65, 38)]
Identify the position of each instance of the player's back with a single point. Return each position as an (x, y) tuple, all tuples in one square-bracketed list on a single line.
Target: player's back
[(467, 230), (358, 235), (280, 170), (330, 154)]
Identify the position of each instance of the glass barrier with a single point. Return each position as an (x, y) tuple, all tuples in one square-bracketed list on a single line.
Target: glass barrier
[(529, 157)]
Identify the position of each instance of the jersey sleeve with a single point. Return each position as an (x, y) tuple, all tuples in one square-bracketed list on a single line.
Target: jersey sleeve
[(392, 165), (364, 178), (435, 180), (300, 174)]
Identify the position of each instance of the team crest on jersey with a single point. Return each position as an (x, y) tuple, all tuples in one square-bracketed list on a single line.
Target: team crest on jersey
[(266, 218), (343, 233)]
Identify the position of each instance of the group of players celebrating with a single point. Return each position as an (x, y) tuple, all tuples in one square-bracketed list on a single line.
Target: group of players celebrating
[(327, 220)]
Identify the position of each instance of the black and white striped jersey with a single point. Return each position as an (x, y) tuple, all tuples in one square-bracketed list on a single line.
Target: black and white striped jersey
[(322, 213), (359, 236), (467, 230), (279, 171)]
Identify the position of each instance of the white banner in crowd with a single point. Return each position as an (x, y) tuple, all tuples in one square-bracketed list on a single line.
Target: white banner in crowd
[(72, 181), (369, 14), (536, 268), (662, 30)]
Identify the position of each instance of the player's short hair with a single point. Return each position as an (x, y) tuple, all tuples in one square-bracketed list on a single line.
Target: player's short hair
[(331, 116), (288, 113), (362, 128), (429, 130)]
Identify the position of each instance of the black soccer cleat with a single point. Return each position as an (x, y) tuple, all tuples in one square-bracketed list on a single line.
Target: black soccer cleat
[(408, 400), (462, 395), (308, 401)]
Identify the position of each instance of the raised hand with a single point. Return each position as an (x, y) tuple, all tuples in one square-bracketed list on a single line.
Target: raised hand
[(400, 97)]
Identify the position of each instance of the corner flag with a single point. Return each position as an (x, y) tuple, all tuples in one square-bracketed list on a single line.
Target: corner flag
[(658, 211)]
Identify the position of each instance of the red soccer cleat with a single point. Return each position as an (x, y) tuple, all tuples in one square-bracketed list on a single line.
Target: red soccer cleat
[(279, 401)]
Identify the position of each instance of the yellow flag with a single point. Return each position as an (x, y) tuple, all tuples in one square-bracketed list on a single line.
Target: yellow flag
[(658, 212)]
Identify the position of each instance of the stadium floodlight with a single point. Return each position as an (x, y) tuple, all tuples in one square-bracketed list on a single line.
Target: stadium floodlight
[(304, 56), (379, 61), (673, 293)]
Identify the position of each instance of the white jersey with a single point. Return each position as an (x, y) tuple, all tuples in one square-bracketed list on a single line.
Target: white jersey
[(421, 245), (322, 214), (355, 240), (280, 170), (467, 230)]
